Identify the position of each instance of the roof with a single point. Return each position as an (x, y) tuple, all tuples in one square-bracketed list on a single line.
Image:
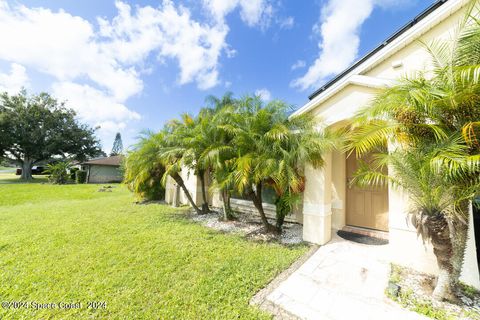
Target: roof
[(107, 161), (356, 74), (398, 33)]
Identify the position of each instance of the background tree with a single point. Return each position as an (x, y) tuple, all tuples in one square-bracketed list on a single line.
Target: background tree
[(37, 128), (117, 145)]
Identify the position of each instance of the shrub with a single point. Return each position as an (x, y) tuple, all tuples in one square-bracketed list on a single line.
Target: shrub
[(81, 176), (58, 172)]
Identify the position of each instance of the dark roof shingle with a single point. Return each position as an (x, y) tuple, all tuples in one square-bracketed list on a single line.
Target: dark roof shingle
[(107, 161)]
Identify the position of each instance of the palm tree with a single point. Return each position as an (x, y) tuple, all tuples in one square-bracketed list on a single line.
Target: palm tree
[(186, 140), (216, 104), (272, 151), (170, 157), (430, 108), (143, 169), (220, 154), (435, 196), (294, 142), (251, 121)]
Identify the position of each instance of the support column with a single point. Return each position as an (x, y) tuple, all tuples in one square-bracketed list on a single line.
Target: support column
[(317, 206)]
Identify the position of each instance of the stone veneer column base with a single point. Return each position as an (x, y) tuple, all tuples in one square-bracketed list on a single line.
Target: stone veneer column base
[(317, 228)]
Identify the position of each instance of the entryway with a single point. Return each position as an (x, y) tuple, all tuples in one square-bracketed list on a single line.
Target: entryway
[(341, 280), (365, 207)]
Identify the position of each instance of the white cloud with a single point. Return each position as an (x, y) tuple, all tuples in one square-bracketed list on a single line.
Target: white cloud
[(338, 29), (95, 107), (287, 23), (252, 12), (112, 54), (107, 130), (63, 46), (14, 81), (230, 52), (97, 66), (91, 104), (170, 32), (298, 64), (264, 94)]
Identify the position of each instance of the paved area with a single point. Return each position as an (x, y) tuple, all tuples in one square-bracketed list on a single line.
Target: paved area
[(341, 280)]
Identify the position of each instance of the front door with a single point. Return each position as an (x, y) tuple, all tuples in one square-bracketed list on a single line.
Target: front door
[(366, 207)]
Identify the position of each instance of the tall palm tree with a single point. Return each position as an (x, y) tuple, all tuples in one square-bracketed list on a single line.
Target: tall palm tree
[(250, 122), (187, 140), (295, 142), (431, 107), (272, 151), (171, 156), (220, 154)]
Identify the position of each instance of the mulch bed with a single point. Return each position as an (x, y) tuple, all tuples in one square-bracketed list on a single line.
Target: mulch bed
[(251, 227), (414, 290)]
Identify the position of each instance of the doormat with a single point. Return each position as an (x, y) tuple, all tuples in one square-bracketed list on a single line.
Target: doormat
[(360, 238)]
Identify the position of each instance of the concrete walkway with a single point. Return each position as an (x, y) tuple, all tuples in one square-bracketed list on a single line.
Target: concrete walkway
[(341, 280)]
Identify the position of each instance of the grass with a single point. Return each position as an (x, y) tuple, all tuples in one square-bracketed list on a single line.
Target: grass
[(10, 177), (72, 244)]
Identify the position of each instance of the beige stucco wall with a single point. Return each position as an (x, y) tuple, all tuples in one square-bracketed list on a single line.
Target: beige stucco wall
[(175, 195), (413, 56), (104, 174), (325, 194)]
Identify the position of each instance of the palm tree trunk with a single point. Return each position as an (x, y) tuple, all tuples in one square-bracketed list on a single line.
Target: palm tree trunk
[(280, 211), (178, 179), (439, 233), (258, 202), (227, 210), (205, 208), (459, 232)]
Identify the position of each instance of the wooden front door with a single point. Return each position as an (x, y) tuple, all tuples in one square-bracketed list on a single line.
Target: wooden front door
[(366, 207)]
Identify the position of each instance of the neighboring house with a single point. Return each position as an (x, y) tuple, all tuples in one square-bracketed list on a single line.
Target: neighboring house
[(328, 203), (104, 170)]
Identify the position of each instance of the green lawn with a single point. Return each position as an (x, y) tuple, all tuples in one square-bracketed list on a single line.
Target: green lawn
[(11, 177), (73, 244)]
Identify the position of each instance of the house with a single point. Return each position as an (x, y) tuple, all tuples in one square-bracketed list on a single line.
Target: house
[(329, 204), (104, 170)]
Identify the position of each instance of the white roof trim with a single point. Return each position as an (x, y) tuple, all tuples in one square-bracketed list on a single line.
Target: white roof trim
[(403, 40), (359, 80)]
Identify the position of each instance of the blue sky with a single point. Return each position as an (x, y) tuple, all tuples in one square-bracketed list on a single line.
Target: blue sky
[(132, 65)]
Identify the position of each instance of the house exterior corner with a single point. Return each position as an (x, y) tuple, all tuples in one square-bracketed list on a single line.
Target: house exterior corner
[(331, 203)]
